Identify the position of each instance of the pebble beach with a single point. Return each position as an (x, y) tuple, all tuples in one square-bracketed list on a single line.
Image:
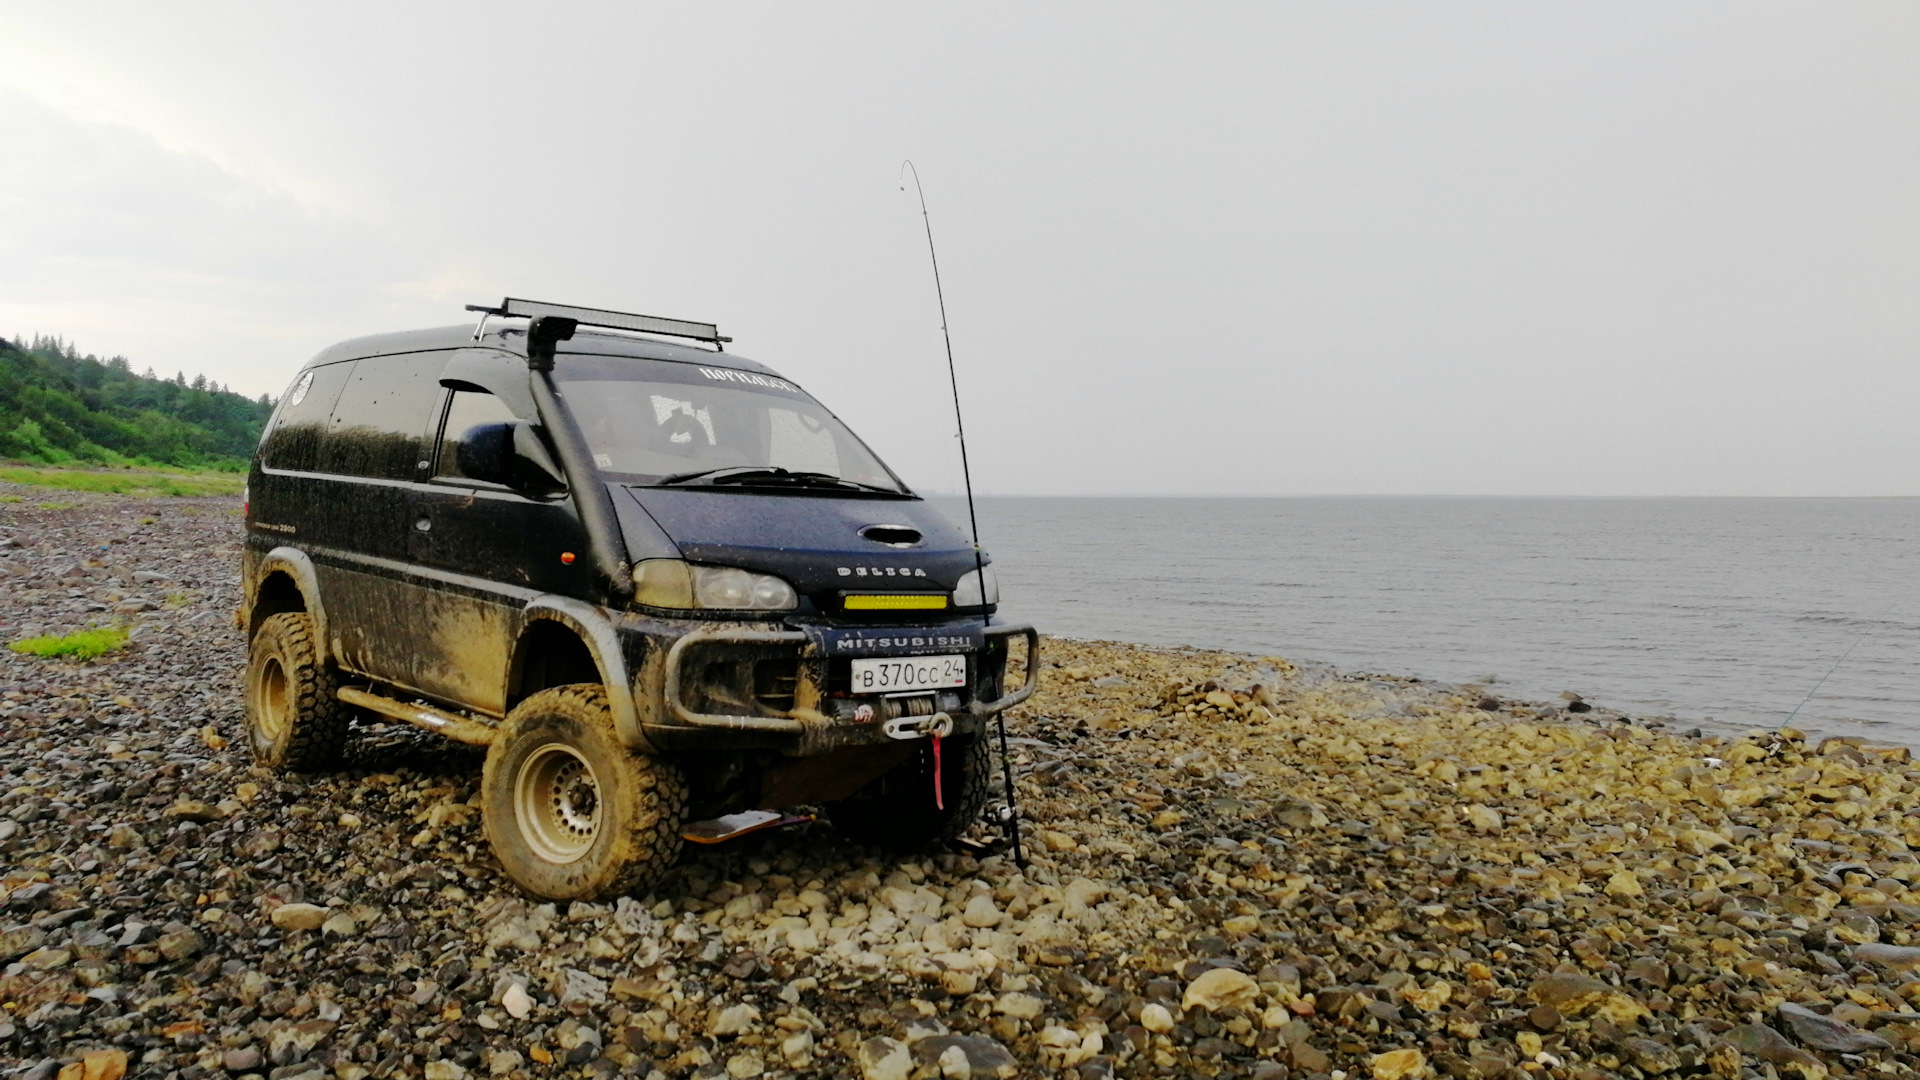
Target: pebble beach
[(1237, 866)]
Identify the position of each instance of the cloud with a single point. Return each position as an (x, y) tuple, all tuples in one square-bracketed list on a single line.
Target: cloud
[(108, 236)]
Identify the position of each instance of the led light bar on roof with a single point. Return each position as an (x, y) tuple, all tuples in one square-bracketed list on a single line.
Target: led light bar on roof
[(613, 320)]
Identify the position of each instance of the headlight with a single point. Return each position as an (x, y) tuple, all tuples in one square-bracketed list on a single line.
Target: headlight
[(967, 592), (670, 583)]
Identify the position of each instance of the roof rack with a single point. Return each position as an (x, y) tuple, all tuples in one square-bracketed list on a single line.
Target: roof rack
[(512, 308)]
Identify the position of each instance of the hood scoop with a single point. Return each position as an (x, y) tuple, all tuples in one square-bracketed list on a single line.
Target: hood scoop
[(894, 536)]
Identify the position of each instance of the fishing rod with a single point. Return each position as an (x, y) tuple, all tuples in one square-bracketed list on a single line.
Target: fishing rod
[(1836, 664), (1012, 820)]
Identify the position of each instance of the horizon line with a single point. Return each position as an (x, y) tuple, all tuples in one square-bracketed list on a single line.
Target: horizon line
[(1310, 495)]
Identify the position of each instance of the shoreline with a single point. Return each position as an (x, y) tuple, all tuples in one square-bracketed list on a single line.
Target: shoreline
[(1239, 867)]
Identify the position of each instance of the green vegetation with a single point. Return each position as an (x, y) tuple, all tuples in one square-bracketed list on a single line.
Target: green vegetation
[(58, 407), (126, 481), (81, 644)]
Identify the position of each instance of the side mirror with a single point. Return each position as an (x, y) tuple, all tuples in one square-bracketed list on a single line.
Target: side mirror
[(532, 468), (510, 454)]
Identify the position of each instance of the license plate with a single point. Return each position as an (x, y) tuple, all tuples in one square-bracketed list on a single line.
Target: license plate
[(892, 674)]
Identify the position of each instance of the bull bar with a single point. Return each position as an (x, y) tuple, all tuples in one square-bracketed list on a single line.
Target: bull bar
[(803, 715)]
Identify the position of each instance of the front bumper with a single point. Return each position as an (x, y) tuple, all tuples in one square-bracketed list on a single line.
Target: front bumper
[(811, 710)]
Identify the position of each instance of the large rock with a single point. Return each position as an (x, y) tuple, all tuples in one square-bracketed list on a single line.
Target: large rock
[(885, 1059), (192, 810), (290, 1043), (47, 959), (1399, 1065), (1341, 1002), (1624, 885), (1898, 957), (103, 1064), (732, 1020), (577, 990), (1653, 1058), (1019, 1006), (180, 944), (1826, 1033), (516, 1001), (299, 916), (1221, 988), (20, 941), (1575, 995), (981, 1056), (981, 913), (1761, 1041)]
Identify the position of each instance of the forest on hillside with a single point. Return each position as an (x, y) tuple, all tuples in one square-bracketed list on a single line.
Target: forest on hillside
[(59, 407)]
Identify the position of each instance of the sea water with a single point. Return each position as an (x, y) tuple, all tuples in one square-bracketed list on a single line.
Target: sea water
[(1720, 612)]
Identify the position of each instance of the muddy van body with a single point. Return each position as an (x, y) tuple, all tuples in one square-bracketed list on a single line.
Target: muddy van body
[(658, 581)]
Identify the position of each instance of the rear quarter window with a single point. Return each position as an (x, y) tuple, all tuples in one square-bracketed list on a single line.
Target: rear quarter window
[(293, 443), (380, 421)]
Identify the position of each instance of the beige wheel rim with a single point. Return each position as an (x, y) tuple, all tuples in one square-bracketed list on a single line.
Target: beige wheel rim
[(556, 800), (272, 702)]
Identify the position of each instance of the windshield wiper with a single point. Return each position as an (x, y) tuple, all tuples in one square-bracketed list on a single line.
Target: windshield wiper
[(683, 477), (774, 475), (828, 479)]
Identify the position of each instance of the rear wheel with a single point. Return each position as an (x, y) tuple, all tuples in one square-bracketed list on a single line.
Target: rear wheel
[(294, 722), (898, 812), (571, 812)]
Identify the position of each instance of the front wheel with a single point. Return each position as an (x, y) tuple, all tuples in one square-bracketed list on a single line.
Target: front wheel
[(571, 812), (898, 811)]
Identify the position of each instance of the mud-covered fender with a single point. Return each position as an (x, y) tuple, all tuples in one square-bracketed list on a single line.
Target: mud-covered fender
[(294, 563), (596, 630)]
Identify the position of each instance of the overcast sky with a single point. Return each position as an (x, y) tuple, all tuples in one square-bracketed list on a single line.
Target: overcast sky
[(1315, 248)]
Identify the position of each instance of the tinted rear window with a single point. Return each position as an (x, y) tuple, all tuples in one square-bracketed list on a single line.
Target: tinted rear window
[(294, 442), (382, 415)]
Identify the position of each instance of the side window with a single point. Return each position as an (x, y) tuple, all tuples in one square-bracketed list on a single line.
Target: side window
[(465, 412), (382, 416), (301, 420)]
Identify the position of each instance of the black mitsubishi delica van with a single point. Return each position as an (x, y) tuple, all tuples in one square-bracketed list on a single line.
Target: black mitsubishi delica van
[(657, 581)]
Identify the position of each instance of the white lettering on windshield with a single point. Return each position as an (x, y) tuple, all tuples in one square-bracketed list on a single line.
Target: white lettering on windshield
[(730, 375)]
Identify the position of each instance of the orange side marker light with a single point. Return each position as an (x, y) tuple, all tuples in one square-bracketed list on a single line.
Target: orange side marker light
[(567, 557)]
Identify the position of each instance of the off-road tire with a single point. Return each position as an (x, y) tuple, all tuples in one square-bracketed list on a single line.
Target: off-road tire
[(294, 722), (573, 813), (897, 812)]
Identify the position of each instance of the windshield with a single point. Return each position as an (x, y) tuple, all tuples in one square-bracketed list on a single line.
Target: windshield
[(649, 421)]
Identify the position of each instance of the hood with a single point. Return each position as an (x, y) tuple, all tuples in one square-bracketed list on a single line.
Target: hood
[(814, 541)]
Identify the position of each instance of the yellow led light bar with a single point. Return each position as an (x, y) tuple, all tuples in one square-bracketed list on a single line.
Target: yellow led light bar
[(897, 602)]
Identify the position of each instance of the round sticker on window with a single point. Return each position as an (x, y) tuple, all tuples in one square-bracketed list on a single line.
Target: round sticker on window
[(299, 392)]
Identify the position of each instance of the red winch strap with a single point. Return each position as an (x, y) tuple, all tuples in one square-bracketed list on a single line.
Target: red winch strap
[(939, 799)]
